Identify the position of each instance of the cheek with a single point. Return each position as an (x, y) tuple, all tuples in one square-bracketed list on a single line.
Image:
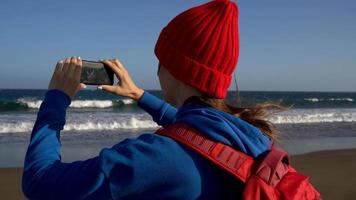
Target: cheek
[(167, 87), (163, 85)]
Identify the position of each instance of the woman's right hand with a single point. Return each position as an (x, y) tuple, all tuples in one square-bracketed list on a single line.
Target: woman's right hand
[(125, 87)]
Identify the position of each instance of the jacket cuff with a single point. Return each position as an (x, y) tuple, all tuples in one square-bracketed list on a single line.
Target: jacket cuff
[(149, 102)]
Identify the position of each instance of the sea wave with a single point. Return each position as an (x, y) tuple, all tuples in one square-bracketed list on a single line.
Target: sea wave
[(33, 103), (298, 116), (132, 123), (115, 125), (24, 103), (91, 104), (97, 121), (17, 127), (329, 99)]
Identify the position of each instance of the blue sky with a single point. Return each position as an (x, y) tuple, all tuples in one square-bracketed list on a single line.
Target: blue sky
[(301, 45)]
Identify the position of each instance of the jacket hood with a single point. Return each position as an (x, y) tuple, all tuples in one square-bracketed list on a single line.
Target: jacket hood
[(225, 128)]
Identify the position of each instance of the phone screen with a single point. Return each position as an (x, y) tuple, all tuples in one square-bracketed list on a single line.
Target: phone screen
[(96, 73)]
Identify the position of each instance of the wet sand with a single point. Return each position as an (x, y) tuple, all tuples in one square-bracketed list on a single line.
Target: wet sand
[(10, 183), (331, 172)]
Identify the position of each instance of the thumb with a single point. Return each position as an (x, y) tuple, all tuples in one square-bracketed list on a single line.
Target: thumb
[(82, 86), (107, 88)]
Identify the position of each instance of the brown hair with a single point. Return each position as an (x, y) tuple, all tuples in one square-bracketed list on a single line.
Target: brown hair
[(255, 115)]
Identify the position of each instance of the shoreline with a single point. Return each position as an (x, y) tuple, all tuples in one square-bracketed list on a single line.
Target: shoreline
[(329, 172), (296, 139), (89, 149)]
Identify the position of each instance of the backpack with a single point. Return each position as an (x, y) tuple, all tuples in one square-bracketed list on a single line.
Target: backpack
[(268, 178)]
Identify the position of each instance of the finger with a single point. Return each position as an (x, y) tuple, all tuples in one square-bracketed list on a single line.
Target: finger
[(82, 86), (119, 64), (111, 63), (57, 71), (113, 66), (66, 65), (71, 68), (107, 88), (59, 66), (78, 69)]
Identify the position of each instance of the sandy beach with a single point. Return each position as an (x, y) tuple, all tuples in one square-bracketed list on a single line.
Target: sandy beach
[(10, 183), (330, 171)]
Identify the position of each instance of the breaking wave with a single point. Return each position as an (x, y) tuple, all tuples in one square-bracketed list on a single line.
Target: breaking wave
[(89, 125), (25, 104), (329, 99), (117, 121), (298, 116)]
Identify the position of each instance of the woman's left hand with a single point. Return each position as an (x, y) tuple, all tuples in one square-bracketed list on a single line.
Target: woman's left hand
[(66, 76)]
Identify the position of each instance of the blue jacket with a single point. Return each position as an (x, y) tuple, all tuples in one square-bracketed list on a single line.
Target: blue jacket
[(147, 167)]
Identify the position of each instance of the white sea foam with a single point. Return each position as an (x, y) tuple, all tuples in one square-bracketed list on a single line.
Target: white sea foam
[(91, 104), (329, 99), (127, 101), (35, 104), (16, 127), (131, 123), (298, 116), (341, 99), (312, 99), (97, 121)]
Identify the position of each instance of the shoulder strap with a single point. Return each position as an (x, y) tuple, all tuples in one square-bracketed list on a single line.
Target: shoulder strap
[(273, 166), (235, 162)]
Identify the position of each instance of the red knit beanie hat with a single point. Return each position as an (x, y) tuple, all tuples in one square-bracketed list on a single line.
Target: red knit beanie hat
[(200, 46)]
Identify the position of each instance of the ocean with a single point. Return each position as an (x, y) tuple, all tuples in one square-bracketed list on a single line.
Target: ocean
[(96, 119)]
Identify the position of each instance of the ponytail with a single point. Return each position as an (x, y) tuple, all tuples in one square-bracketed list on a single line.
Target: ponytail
[(256, 115)]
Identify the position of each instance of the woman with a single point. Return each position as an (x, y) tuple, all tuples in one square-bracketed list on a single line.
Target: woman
[(197, 53)]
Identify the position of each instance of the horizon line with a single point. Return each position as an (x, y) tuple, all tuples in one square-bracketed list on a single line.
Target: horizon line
[(228, 90)]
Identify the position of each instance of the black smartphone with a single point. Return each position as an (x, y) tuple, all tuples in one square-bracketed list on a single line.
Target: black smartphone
[(96, 73)]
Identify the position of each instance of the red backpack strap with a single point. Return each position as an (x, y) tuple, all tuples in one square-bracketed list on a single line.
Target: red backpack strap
[(273, 166), (235, 162)]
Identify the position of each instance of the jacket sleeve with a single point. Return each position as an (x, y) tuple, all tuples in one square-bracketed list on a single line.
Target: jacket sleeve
[(44, 175), (105, 176), (162, 112)]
